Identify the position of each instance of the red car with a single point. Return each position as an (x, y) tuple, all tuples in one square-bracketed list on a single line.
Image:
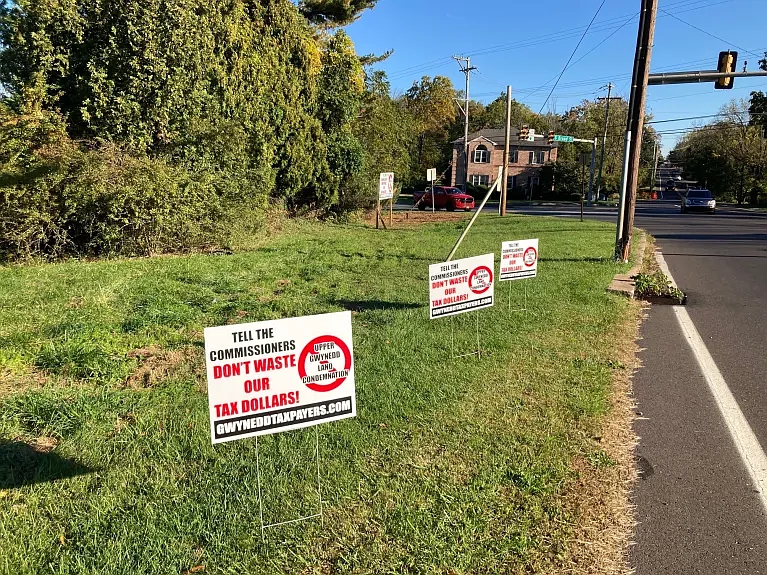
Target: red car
[(444, 197)]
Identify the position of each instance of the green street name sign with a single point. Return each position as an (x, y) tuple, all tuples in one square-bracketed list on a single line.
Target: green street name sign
[(560, 138)]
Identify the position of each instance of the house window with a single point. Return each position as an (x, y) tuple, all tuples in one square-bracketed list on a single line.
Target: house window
[(511, 182), (479, 180), (481, 155), (514, 157), (537, 157)]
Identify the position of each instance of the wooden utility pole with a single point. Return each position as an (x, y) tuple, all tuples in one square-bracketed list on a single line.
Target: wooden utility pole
[(635, 126), (505, 182)]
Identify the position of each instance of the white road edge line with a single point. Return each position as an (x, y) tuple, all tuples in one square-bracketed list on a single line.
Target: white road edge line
[(743, 436)]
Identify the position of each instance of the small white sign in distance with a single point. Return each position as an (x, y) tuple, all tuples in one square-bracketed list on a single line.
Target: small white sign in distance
[(461, 286), (386, 186), (431, 175), (274, 376), (519, 260)]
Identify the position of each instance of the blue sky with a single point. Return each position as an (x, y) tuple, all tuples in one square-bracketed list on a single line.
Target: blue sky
[(527, 43)]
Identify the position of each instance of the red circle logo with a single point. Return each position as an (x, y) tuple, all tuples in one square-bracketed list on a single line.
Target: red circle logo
[(480, 279), (530, 256), (324, 356)]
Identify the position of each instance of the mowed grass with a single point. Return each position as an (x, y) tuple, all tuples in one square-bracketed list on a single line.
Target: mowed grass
[(451, 466)]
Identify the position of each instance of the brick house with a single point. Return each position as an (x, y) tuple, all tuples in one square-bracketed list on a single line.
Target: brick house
[(486, 155)]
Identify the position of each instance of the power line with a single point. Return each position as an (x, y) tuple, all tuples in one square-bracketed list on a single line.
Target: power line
[(586, 54), (573, 54), (604, 25), (681, 119), (710, 34)]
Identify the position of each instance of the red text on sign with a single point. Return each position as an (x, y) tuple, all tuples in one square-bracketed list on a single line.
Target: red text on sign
[(260, 384), (258, 365), (269, 401), (225, 409)]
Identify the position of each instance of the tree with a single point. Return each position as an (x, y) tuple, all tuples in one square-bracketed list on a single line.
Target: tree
[(431, 104), (728, 156), (494, 115), (385, 131), (334, 12), (240, 102), (245, 90), (757, 109)]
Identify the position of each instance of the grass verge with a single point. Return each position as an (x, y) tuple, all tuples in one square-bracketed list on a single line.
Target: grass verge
[(509, 464)]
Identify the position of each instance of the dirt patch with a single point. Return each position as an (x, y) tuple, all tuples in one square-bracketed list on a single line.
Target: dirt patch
[(43, 444), (602, 496), (417, 218), (15, 382), (156, 364)]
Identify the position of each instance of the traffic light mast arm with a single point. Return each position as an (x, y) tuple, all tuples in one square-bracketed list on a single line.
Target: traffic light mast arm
[(699, 76)]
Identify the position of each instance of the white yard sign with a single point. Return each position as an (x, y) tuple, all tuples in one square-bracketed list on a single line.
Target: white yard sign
[(386, 186), (273, 376), (519, 260), (461, 286)]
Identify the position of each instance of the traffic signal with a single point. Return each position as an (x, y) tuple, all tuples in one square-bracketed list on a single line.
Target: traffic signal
[(551, 137), (523, 133), (727, 62)]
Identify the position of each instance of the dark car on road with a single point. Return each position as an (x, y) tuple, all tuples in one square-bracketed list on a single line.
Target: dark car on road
[(444, 197), (698, 200)]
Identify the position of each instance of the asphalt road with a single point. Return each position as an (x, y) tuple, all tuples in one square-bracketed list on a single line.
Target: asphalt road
[(699, 509), (699, 512)]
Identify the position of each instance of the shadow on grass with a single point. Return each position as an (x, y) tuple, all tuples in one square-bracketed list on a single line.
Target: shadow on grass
[(373, 304), (22, 464)]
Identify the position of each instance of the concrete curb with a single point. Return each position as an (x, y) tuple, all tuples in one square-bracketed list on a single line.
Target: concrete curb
[(622, 283)]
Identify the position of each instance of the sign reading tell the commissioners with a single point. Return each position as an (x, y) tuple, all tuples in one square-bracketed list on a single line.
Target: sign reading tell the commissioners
[(461, 285), (519, 260), (273, 376)]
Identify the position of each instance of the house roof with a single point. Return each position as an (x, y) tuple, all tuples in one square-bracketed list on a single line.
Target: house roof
[(497, 136)]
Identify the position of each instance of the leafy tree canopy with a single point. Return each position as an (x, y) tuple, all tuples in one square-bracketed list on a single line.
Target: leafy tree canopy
[(334, 12)]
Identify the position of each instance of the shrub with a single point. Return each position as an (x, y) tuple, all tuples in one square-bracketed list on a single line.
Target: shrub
[(60, 198)]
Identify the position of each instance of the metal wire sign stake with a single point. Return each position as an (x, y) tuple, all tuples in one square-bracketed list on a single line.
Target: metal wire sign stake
[(319, 514), (461, 286), (519, 260), (281, 375), (478, 351)]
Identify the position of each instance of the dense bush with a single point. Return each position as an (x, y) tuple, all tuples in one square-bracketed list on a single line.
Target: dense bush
[(58, 197)]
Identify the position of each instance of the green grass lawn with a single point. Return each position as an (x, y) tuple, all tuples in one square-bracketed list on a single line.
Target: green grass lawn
[(452, 465)]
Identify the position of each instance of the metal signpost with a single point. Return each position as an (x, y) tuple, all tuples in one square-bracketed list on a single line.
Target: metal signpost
[(519, 260), (274, 376), (562, 138), (461, 286), (431, 177), (584, 158)]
